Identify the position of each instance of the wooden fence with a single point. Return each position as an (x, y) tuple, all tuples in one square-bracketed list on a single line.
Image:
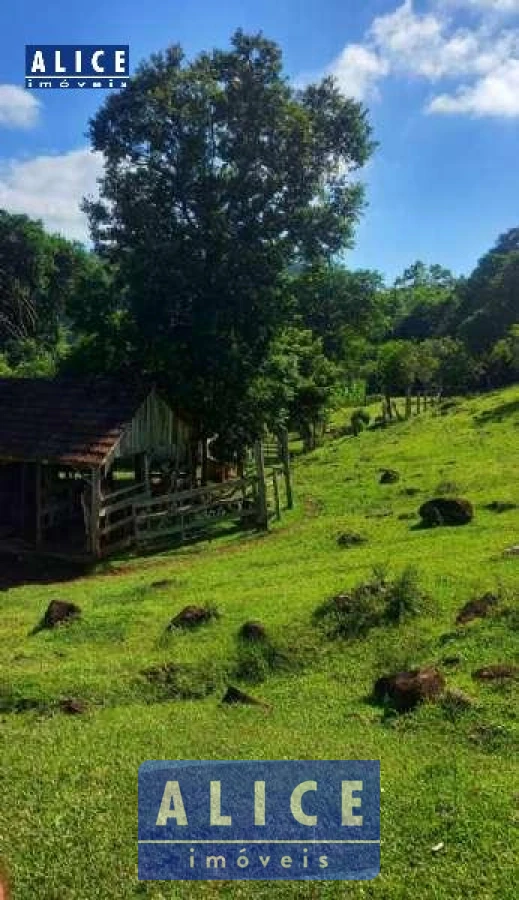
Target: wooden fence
[(195, 510), (271, 461), (132, 517)]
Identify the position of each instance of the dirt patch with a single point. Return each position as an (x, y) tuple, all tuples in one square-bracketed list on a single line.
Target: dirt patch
[(496, 672), (350, 539), (477, 609), (405, 690), (73, 706), (389, 476), (192, 617), (254, 632), (233, 695)]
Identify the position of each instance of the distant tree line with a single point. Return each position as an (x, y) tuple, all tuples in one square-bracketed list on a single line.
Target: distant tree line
[(227, 199)]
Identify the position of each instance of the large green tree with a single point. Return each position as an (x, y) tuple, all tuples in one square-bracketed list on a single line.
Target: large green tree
[(338, 304), (40, 277), (489, 299), (421, 300), (218, 176)]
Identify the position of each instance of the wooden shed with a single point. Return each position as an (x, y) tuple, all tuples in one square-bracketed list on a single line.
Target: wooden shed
[(74, 455)]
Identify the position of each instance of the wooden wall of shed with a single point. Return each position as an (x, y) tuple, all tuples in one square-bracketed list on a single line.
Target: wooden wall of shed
[(154, 429)]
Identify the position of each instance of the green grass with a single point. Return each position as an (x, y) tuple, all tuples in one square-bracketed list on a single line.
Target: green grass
[(69, 783)]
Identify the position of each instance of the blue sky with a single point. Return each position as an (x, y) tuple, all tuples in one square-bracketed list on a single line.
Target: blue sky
[(440, 78)]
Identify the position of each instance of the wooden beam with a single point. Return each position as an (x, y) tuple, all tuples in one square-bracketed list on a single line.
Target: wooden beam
[(262, 487), (276, 493), (285, 458), (95, 506)]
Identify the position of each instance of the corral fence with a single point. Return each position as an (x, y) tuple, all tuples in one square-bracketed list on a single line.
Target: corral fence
[(132, 517)]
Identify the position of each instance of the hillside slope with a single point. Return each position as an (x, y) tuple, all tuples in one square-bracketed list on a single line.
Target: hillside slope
[(68, 783)]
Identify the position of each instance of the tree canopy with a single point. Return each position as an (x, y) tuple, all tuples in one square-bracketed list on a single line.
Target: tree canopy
[(218, 176)]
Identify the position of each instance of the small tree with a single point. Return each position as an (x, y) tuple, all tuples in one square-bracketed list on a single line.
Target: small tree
[(396, 370), (296, 386)]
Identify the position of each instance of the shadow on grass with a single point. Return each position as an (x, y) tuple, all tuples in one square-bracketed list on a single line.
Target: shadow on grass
[(175, 543), (497, 413), (17, 570)]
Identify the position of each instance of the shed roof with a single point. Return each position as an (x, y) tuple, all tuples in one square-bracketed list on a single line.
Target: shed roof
[(75, 421)]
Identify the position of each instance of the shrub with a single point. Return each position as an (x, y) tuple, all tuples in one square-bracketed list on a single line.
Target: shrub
[(359, 420), (182, 681), (405, 599), (353, 614), (291, 653), (372, 604)]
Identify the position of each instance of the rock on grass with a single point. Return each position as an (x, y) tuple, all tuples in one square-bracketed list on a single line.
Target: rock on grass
[(446, 511), (405, 690), (59, 611)]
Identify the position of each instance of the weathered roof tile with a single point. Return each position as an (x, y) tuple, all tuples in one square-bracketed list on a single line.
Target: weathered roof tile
[(68, 420)]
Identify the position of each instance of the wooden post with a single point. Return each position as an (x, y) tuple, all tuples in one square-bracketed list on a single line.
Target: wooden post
[(95, 505), (146, 473), (285, 457), (262, 487), (276, 493), (408, 410)]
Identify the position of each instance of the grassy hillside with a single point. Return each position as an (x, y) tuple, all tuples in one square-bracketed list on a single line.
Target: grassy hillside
[(69, 783)]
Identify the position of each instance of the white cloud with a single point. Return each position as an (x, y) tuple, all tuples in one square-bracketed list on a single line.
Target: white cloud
[(51, 188), (429, 46), (18, 107), (357, 70), (497, 94), (478, 60)]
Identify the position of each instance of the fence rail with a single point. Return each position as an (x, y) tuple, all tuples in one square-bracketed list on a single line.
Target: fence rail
[(200, 508), (132, 516)]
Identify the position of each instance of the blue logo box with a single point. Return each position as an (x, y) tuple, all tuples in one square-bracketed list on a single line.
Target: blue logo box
[(82, 66), (259, 820)]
